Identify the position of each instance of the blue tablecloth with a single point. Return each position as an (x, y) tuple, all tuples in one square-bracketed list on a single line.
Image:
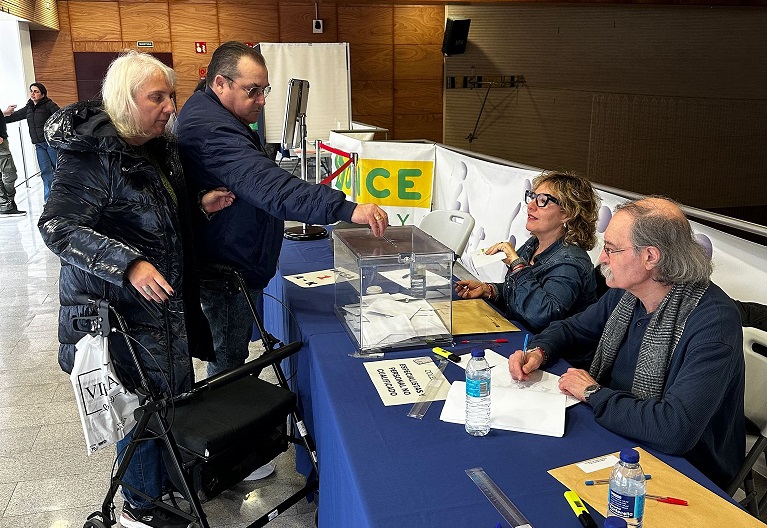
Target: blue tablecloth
[(379, 468)]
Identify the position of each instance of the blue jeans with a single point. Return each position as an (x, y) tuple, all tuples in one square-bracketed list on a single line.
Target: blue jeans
[(146, 470), (231, 323), (46, 158)]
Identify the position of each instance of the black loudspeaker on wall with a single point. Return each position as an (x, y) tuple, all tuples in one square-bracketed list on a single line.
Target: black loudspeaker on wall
[(456, 35)]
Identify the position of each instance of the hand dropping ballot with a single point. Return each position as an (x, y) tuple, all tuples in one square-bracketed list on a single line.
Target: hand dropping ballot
[(401, 381)]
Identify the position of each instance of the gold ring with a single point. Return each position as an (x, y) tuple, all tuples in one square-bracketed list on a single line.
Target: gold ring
[(378, 217)]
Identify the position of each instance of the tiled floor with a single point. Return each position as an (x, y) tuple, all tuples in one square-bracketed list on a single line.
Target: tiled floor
[(46, 478)]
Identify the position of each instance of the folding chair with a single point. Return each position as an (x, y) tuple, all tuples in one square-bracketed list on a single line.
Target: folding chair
[(452, 228), (756, 420), (216, 434)]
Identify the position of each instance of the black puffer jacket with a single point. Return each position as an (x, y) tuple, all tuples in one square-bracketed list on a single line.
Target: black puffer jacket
[(108, 208), (37, 115)]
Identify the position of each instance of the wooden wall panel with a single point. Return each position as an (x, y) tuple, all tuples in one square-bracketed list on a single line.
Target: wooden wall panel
[(40, 15), (366, 24), (418, 62), (145, 21), (418, 97), (372, 98), (421, 25), (392, 47), (91, 21), (52, 51), (192, 22), (248, 23), (419, 127), (371, 62), (296, 24)]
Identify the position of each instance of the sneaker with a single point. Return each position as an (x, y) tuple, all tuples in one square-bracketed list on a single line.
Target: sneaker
[(262, 472), (150, 518)]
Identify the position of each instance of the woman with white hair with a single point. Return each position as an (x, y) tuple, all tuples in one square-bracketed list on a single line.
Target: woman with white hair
[(119, 218)]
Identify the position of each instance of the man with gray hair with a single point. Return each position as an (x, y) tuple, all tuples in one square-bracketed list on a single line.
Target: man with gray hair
[(668, 370)]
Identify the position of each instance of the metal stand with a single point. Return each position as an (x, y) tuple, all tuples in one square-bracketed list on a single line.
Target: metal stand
[(304, 231)]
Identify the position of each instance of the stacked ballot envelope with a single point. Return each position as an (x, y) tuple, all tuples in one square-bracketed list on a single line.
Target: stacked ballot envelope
[(393, 291)]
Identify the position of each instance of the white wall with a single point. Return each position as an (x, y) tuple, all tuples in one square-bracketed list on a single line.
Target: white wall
[(17, 74)]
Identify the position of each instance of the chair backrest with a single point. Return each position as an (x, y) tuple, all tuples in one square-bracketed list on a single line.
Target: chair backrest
[(756, 378), (452, 228)]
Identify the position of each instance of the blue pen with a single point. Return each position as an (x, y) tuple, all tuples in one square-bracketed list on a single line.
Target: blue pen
[(524, 349)]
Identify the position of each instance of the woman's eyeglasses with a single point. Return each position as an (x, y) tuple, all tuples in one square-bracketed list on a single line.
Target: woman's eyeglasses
[(541, 199), (252, 92)]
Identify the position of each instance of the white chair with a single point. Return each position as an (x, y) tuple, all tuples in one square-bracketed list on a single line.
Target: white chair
[(756, 418), (452, 228)]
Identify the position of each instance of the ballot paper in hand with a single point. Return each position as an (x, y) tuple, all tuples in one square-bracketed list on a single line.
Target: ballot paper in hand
[(479, 258), (512, 409)]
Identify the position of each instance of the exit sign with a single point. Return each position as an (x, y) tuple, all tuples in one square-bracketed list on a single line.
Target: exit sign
[(145, 44)]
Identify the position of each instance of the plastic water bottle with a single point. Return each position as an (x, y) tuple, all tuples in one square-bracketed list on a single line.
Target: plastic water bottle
[(477, 394), (627, 489)]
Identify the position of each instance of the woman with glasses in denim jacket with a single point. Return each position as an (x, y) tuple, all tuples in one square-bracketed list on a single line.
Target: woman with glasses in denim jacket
[(551, 276)]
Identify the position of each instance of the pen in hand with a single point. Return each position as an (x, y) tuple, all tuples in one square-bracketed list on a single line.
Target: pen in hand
[(524, 349)]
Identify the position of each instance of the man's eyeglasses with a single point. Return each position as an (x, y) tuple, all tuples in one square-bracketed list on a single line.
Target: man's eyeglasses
[(541, 199), (252, 92), (612, 251)]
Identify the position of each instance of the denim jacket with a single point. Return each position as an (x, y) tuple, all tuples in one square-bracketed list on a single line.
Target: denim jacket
[(559, 284)]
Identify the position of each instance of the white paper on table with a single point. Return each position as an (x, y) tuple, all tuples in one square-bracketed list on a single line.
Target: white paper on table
[(512, 409), (400, 381), (500, 376), (479, 258), (312, 279), (595, 464), (402, 278)]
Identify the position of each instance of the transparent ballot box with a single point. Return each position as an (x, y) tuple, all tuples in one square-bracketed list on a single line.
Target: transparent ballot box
[(394, 291)]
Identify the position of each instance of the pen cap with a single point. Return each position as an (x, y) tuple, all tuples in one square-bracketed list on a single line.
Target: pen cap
[(477, 352), (615, 522)]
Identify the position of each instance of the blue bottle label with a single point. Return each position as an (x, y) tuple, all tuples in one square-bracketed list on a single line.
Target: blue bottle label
[(478, 388), (626, 506)]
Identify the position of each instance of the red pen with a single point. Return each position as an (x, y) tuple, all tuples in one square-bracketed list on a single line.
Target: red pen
[(667, 500), (485, 341)]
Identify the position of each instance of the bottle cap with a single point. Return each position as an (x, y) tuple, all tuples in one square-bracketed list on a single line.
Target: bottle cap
[(630, 456), (372, 290), (477, 352), (615, 522)]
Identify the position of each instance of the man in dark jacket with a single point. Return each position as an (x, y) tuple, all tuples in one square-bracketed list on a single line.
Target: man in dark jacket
[(8, 174), (37, 111), (218, 149)]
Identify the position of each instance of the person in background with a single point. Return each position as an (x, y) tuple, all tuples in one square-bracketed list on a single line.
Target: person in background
[(119, 218), (551, 276), (668, 369), (37, 111), (219, 149), (8, 175)]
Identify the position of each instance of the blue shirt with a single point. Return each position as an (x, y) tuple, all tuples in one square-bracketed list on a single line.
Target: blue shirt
[(558, 284), (700, 413)]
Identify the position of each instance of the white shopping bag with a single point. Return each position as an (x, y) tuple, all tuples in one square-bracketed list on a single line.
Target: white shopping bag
[(106, 407)]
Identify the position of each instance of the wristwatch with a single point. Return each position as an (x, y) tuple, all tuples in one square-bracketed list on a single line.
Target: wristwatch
[(588, 391)]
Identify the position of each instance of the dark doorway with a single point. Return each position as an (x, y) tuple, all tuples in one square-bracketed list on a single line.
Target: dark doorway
[(90, 68)]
